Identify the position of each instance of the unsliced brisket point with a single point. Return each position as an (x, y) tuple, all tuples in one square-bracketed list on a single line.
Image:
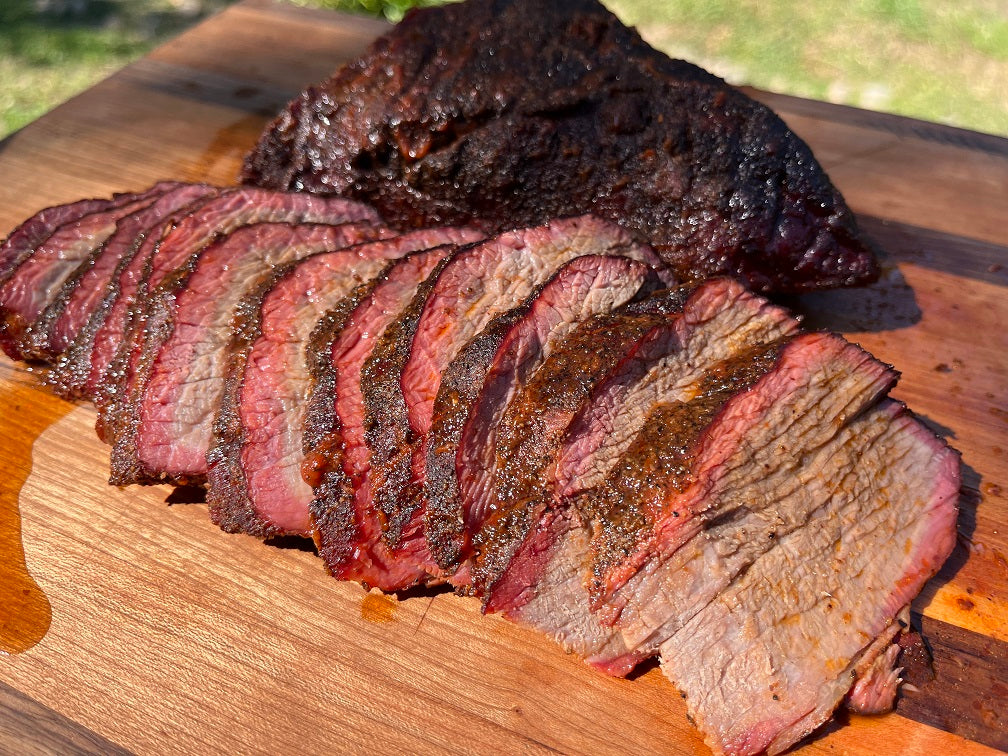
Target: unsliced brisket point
[(114, 354), (458, 301), (164, 427), (516, 111), (61, 323), (505, 353), (38, 279), (255, 481), (347, 527)]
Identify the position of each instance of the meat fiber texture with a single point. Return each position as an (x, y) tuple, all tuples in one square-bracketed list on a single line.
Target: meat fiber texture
[(118, 346), (347, 527), (517, 111), (680, 473), (171, 392), (41, 273), (402, 376), (94, 339), (753, 545), (55, 333), (255, 482)]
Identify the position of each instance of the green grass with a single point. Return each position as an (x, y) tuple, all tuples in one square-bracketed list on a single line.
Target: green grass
[(53, 49), (931, 59)]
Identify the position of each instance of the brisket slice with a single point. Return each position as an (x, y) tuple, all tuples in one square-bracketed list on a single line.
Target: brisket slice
[(58, 327), (26, 238), (255, 482), (38, 279), (794, 628), (158, 257), (590, 543), (516, 111), (402, 377), (512, 435), (347, 527), (563, 422), (808, 516), (506, 352), (163, 428), (79, 370)]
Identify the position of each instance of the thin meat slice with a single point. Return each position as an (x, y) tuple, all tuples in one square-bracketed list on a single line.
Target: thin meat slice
[(798, 486), (26, 238), (37, 280), (191, 232), (513, 433), (79, 370), (505, 353), (402, 376), (785, 639), (164, 429), (347, 527), (255, 482), (62, 321)]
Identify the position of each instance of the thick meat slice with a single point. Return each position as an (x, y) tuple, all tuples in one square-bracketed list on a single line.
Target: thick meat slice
[(546, 417), (38, 279), (784, 639), (402, 377), (164, 427), (58, 327), (794, 526), (516, 111), (506, 352), (255, 482), (159, 256), (347, 527)]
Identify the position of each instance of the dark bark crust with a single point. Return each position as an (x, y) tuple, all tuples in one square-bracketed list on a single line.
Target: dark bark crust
[(516, 111)]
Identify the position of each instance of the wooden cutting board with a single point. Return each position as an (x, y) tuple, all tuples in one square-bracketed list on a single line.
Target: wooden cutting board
[(169, 635)]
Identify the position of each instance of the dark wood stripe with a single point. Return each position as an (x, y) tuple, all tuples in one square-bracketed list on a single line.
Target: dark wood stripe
[(938, 250), (968, 695), (888, 122), (27, 726), (263, 99)]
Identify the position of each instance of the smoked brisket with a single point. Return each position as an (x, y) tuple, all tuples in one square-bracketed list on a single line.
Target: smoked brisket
[(518, 111), (255, 482)]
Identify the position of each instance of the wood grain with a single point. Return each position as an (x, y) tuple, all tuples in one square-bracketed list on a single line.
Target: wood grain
[(29, 728), (169, 635)]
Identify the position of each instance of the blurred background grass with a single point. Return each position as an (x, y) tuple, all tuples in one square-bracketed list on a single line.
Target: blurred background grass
[(940, 60)]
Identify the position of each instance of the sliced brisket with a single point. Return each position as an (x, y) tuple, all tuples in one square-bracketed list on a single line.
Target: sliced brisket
[(761, 573), (65, 317), (255, 482), (505, 353), (26, 238), (79, 371), (517, 111), (786, 638), (348, 528), (191, 232), (402, 377), (162, 427), (39, 277), (511, 438)]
